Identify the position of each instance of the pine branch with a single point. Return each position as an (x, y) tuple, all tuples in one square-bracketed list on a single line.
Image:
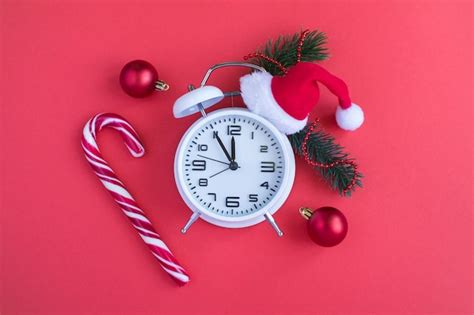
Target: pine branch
[(284, 48), (321, 146), (323, 149)]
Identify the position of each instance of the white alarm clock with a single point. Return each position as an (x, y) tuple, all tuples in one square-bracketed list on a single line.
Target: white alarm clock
[(233, 168)]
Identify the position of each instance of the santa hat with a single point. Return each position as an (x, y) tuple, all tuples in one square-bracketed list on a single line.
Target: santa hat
[(287, 100)]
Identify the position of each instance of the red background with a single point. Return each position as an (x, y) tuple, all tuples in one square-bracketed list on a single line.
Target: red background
[(66, 248)]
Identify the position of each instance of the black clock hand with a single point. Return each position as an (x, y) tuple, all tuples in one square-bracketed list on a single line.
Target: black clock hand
[(223, 147), (206, 157), (228, 168), (232, 148)]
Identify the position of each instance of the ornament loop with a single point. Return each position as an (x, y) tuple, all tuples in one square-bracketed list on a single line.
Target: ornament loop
[(161, 85), (306, 212)]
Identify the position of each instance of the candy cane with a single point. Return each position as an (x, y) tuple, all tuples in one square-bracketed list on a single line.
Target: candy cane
[(117, 189)]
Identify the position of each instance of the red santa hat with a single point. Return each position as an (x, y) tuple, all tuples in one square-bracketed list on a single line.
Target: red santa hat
[(287, 100)]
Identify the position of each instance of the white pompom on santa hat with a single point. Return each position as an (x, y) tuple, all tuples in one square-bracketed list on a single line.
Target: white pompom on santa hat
[(287, 100)]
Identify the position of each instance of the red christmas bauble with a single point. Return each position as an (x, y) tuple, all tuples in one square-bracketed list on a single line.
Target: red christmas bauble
[(138, 78), (327, 226)]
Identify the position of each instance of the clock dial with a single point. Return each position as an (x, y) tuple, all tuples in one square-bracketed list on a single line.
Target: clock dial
[(233, 165)]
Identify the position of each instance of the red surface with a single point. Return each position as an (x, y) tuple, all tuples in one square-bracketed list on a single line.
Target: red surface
[(67, 249)]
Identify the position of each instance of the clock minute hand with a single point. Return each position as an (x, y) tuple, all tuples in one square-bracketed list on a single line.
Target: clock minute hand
[(206, 157), (223, 148), (232, 148)]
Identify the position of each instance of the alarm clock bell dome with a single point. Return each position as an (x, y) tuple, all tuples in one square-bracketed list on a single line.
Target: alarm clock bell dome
[(197, 100)]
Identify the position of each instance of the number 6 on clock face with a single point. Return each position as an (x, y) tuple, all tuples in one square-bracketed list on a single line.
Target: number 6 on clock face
[(234, 168)]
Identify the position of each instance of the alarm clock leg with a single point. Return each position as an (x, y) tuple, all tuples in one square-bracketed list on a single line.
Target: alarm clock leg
[(272, 222), (191, 220)]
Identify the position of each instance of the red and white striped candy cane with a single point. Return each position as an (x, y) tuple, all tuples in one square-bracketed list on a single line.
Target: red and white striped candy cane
[(117, 189)]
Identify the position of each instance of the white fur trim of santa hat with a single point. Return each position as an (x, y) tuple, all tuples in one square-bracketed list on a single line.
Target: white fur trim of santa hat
[(350, 118), (256, 89)]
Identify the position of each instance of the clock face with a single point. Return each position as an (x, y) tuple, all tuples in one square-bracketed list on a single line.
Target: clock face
[(232, 165)]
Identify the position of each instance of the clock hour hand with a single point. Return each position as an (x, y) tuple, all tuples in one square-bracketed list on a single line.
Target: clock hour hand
[(223, 147)]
